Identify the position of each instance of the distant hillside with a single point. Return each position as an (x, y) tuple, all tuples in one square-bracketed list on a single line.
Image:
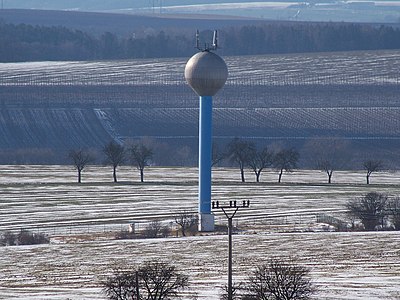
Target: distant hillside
[(48, 108)]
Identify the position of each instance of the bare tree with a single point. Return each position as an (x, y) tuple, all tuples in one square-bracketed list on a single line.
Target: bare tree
[(285, 160), (279, 280), (154, 229), (330, 154), (141, 156), (115, 156), (237, 288), (80, 159), (260, 160), (372, 166), (186, 221), (240, 151), (161, 280), (371, 209), (154, 280), (326, 165), (121, 286)]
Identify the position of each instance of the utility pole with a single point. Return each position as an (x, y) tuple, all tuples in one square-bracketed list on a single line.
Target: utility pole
[(230, 211), (152, 3)]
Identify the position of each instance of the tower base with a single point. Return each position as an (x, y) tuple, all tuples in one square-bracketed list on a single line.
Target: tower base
[(206, 222)]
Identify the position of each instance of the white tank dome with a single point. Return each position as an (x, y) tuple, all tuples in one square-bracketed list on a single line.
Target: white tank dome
[(206, 73)]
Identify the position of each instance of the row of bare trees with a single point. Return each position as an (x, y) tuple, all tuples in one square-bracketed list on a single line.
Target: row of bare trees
[(139, 154), (329, 157), (156, 280), (115, 155), (246, 154), (241, 152)]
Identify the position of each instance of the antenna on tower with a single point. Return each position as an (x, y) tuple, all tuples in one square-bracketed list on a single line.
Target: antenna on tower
[(215, 41), (198, 40), (207, 47)]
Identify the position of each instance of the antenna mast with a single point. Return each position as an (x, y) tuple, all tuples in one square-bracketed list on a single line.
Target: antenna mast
[(198, 40), (207, 47), (215, 41)]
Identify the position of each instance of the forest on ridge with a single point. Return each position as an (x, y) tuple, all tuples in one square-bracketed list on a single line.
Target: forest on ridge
[(24, 42)]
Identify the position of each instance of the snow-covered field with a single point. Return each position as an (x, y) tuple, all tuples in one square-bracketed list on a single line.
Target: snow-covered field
[(356, 67), (46, 198)]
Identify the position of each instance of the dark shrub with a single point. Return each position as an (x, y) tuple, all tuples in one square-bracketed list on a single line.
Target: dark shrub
[(26, 237), (8, 239)]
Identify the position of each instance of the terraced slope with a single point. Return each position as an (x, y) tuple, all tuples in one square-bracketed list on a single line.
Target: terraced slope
[(50, 128), (291, 97)]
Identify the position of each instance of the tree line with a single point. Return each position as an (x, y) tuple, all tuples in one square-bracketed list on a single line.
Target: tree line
[(115, 155), (22, 42), (329, 156)]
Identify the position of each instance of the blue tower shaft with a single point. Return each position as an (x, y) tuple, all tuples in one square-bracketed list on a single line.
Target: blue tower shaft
[(205, 154)]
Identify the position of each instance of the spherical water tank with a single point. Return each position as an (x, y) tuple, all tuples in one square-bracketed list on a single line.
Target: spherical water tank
[(206, 73)]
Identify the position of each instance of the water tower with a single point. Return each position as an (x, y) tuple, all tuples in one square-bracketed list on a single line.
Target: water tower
[(206, 73)]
